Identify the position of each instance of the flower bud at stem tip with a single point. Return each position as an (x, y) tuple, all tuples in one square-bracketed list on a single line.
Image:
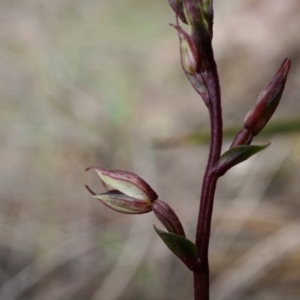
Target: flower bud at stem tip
[(268, 100)]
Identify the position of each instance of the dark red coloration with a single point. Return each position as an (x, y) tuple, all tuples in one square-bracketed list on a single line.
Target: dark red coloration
[(177, 6), (198, 63), (243, 137), (129, 177), (167, 217), (268, 100)]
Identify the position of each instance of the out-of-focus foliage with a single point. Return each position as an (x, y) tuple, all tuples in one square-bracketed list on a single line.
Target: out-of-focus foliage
[(94, 83)]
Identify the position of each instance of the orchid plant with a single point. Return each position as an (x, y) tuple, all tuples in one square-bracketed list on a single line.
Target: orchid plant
[(130, 194)]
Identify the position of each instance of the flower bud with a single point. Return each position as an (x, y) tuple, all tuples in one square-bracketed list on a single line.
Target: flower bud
[(127, 183), (188, 52), (130, 194), (268, 100), (167, 217)]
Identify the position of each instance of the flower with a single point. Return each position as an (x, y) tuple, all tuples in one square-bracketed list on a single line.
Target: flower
[(133, 195), (130, 193)]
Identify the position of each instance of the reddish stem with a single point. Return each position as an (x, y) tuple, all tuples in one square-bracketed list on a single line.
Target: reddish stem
[(201, 276)]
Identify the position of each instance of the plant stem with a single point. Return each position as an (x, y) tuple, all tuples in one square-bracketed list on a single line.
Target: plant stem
[(201, 275)]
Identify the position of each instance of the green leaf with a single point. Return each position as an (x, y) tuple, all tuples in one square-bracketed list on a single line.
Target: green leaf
[(235, 156), (179, 245)]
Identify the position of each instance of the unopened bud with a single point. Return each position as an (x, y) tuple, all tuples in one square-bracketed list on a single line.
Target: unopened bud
[(127, 183), (167, 217), (268, 100), (188, 52)]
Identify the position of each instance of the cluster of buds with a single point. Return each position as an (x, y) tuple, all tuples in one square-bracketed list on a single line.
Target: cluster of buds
[(195, 48), (265, 106)]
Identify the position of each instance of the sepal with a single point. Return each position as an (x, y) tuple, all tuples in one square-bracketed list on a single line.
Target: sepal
[(123, 203)]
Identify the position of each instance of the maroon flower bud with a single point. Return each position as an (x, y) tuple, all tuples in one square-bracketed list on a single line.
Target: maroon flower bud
[(167, 217), (268, 100), (188, 52), (190, 63)]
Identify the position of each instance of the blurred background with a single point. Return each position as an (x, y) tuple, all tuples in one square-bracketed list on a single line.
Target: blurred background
[(98, 83)]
